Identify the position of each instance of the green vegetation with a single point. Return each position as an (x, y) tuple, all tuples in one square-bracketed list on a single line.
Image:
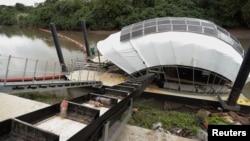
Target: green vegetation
[(215, 120), (150, 111), (115, 14), (45, 97)]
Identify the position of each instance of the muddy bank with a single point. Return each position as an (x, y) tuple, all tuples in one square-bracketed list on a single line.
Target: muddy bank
[(241, 33), (103, 32)]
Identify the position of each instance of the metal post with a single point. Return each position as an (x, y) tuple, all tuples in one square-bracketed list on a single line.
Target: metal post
[(94, 74), (72, 69), (240, 79), (193, 81), (54, 72), (25, 68), (88, 75), (179, 81), (34, 75), (79, 75), (208, 78), (231, 103), (58, 47), (99, 59), (84, 30), (7, 70), (46, 66)]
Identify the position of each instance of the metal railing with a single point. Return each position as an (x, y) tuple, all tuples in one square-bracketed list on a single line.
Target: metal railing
[(17, 69)]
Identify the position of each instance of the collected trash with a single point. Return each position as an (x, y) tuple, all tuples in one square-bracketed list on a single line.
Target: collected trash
[(183, 132), (158, 127)]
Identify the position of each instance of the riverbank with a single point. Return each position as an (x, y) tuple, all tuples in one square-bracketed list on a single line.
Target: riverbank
[(103, 32), (241, 33)]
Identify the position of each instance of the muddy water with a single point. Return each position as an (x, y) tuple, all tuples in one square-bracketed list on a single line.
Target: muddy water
[(34, 45), (37, 44)]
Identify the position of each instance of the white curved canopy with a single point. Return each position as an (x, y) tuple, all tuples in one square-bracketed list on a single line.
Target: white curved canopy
[(172, 48)]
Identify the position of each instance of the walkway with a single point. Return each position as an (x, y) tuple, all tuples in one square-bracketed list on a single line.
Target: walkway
[(36, 75), (13, 106)]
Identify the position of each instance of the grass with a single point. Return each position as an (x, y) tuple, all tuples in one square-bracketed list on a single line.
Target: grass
[(150, 111), (45, 97), (215, 120)]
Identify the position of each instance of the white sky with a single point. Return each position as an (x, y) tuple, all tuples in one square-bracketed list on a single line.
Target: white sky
[(25, 2)]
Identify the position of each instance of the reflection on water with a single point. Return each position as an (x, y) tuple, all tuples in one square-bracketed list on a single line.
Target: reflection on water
[(25, 47), (35, 44)]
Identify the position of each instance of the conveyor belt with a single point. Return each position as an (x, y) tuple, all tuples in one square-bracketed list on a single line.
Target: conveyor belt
[(84, 122)]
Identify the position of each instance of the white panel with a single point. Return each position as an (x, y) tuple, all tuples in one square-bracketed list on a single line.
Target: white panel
[(127, 51), (183, 48), (164, 49), (106, 48), (145, 49), (173, 48)]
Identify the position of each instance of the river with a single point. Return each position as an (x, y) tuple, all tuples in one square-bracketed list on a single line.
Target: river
[(39, 45), (36, 44)]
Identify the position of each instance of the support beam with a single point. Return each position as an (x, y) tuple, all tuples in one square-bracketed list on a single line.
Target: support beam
[(58, 47), (84, 30), (231, 103), (240, 79)]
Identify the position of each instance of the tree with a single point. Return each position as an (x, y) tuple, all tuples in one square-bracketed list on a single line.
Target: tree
[(20, 7), (115, 14), (8, 16), (105, 14), (246, 13)]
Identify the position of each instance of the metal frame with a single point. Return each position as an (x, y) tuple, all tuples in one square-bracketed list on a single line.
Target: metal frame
[(111, 133)]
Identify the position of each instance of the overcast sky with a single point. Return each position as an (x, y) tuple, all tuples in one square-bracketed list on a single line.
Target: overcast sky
[(25, 2)]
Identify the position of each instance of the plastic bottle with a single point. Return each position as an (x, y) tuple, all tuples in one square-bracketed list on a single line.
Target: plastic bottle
[(63, 108)]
